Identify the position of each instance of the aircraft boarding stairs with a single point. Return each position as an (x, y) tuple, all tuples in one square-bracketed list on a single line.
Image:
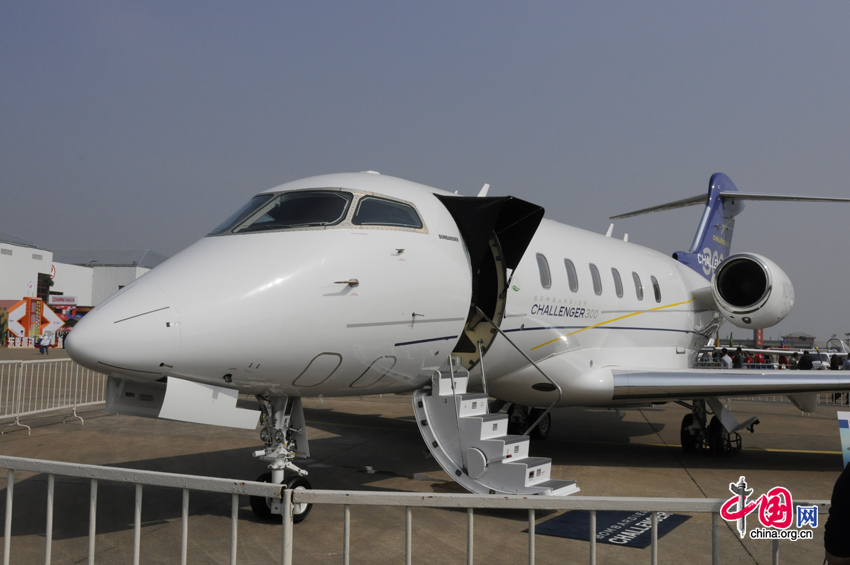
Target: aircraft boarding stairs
[(473, 445)]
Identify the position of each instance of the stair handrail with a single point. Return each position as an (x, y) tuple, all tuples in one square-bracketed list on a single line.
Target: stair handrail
[(536, 366), (481, 364), (457, 413)]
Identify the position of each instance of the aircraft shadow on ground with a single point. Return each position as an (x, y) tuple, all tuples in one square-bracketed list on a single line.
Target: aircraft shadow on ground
[(360, 452)]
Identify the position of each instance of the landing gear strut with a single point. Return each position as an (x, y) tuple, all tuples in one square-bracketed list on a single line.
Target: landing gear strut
[(285, 435), (698, 435)]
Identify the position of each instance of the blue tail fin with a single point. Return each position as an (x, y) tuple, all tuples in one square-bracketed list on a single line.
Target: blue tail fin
[(714, 234)]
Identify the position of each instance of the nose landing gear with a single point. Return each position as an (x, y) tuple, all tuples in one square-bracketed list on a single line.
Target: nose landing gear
[(285, 435), (263, 506)]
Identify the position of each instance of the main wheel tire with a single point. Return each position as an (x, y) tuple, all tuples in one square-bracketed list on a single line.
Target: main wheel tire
[(261, 505), (299, 511), (517, 420), (717, 436), (687, 437), (544, 428)]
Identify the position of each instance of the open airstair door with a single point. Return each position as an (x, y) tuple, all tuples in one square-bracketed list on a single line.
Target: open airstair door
[(497, 231)]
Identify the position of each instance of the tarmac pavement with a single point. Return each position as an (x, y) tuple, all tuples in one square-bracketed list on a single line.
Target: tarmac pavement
[(373, 444)]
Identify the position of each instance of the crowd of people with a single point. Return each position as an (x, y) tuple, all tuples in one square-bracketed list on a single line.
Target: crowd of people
[(740, 359)]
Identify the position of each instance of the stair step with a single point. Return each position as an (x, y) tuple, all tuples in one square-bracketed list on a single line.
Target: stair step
[(483, 426), (537, 469), (558, 487), (471, 404), (442, 381), (516, 447), (503, 448)]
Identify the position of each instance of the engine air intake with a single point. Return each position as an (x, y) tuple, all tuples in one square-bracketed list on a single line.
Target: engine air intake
[(751, 291), (742, 282)]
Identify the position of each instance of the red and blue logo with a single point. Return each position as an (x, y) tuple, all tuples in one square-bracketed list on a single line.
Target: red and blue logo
[(776, 513)]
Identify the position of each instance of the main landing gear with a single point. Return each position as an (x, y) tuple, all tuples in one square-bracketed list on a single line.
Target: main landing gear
[(285, 435), (521, 417), (716, 437)]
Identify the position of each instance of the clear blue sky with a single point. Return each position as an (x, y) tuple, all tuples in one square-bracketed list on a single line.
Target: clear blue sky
[(144, 124)]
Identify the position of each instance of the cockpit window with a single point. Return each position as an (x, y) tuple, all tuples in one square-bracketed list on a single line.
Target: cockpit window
[(321, 208), (373, 211), (239, 215), (298, 209)]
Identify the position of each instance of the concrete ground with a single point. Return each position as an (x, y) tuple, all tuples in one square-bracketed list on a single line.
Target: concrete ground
[(30, 354), (373, 444)]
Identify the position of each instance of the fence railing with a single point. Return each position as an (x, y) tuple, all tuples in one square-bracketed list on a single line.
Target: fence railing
[(95, 474), (35, 387), (347, 499)]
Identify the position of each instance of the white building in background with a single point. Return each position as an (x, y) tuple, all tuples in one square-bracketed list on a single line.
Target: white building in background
[(73, 280), (110, 270), (20, 264), (89, 275)]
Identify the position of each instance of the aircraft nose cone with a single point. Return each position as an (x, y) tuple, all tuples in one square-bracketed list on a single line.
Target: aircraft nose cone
[(136, 332)]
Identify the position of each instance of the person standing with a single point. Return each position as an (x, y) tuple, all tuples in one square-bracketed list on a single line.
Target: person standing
[(835, 540), (805, 363), (725, 361), (846, 365), (795, 361), (738, 360)]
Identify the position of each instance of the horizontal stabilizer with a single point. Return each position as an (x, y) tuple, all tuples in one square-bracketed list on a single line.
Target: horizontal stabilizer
[(724, 196), (684, 203)]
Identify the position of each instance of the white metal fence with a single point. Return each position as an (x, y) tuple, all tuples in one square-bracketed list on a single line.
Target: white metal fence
[(347, 499), (35, 387)]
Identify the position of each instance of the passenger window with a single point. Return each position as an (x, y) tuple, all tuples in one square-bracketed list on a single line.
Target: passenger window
[(618, 283), (373, 211), (597, 281), (545, 276), (638, 286), (571, 275), (656, 288)]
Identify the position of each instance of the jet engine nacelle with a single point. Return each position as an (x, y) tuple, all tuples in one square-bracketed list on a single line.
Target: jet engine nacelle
[(751, 291)]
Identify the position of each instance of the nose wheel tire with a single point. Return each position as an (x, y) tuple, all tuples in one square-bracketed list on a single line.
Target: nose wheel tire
[(299, 511), (261, 505)]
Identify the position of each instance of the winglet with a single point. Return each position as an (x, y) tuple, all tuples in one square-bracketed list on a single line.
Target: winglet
[(484, 190)]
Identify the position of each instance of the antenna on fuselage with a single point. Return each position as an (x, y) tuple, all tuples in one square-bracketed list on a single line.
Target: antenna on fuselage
[(610, 230)]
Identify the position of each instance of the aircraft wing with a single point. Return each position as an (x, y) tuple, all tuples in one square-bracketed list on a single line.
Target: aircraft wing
[(686, 384)]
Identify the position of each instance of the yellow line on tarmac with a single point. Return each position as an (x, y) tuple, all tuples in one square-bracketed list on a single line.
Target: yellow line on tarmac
[(771, 450), (612, 320), (795, 451)]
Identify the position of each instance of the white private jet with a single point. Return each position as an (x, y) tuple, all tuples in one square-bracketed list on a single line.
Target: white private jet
[(354, 284)]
